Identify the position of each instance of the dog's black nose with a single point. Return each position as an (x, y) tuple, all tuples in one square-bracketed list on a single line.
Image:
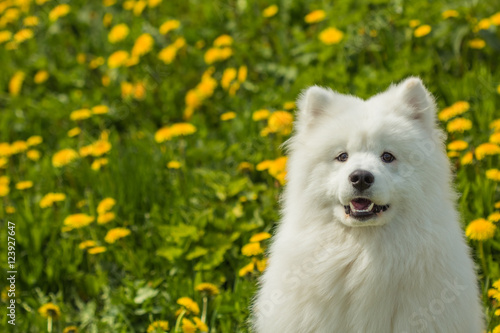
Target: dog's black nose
[(361, 179)]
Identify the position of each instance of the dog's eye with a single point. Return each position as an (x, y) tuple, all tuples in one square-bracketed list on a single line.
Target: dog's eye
[(387, 157), (342, 157)]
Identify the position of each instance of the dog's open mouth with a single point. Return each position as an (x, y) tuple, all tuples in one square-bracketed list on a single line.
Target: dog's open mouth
[(363, 209)]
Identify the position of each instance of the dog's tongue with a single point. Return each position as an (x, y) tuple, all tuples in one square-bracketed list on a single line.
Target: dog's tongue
[(361, 204)]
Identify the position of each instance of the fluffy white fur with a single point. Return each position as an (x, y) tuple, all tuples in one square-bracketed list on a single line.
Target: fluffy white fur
[(407, 270)]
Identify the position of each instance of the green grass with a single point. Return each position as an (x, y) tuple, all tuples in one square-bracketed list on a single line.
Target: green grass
[(188, 225)]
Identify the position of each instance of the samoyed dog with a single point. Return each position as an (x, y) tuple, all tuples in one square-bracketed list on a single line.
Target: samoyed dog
[(369, 239)]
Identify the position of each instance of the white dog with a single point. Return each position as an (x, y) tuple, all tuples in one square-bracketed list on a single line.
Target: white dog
[(369, 240)]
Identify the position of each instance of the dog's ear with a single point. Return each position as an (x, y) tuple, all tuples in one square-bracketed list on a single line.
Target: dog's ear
[(313, 103), (418, 103)]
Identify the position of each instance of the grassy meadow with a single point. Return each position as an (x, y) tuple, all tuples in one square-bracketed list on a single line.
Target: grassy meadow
[(140, 155)]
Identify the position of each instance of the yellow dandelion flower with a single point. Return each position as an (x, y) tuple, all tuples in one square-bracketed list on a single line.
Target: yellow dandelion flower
[(158, 325), (289, 105), (168, 54), (64, 157), (493, 174), (449, 13), (495, 125), (182, 129), (245, 166), (252, 249), (70, 329), (106, 217), (228, 116), (212, 55), (100, 109), (223, 40), (270, 11), (480, 229), (3, 162), (422, 31), (458, 145), (99, 163), (486, 149), (153, 3), (49, 199), (207, 288), (497, 205), (227, 77), (173, 165), (5, 149), (179, 43), (4, 190), (80, 114), (107, 19), (494, 217), (100, 148), (59, 11), (242, 73), (5, 36), (23, 185), (118, 33), (76, 221), (261, 115), (456, 109), (118, 59), (477, 43), (105, 205), (278, 166), (18, 147), (168, 26), (86, 244), (189, 305), (261, 264), (143, 44), (97, 250), (41, 76), (315, 16), (483, 24), (105, 80), (139, 7), (33, 154), (163, 134), (247, 269), (188, 326), (492, 293), (331, 36), (10, 210), (114, 234), (414, 23), (495, 19), (260, 237), (467, 158), (459, 125), (16, 83), (280, 122), (96, 62), (22, 35), (264, 165), (74, 132), (50, 310), (453, 153), (200, 324), (495, 138)]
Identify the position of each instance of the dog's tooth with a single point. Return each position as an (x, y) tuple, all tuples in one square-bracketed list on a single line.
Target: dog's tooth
[(351, 206), (370, 207)]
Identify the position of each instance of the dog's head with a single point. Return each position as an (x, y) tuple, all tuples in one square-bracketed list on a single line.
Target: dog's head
[(366, 160)]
